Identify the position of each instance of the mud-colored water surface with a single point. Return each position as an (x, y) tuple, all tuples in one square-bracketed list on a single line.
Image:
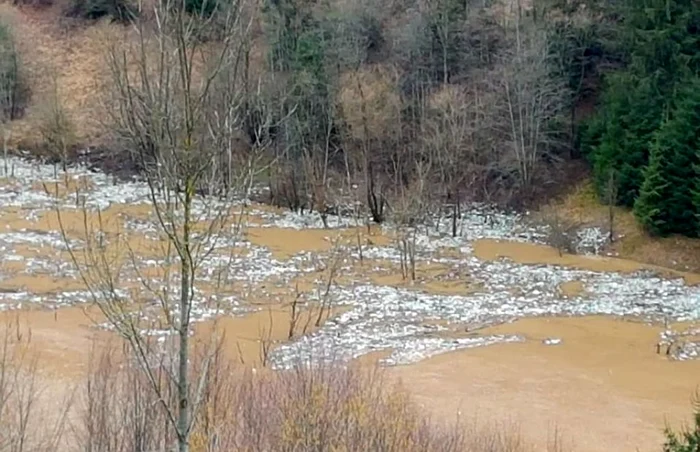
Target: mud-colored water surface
[(603, 387), (494, 323)]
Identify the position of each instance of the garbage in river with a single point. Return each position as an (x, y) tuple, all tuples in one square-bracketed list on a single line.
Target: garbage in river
[(410, 322)]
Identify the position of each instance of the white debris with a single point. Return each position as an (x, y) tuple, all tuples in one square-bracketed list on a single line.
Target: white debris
[(680, 345), (378, 317), (687, 350), (590, 240), (551, 341), (40, 239)]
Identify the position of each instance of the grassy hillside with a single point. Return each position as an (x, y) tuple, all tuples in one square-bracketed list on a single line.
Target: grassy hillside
[(63, 63), (583, 206)]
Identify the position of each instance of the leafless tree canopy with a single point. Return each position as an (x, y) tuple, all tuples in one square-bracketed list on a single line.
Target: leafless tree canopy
[(178, 105)]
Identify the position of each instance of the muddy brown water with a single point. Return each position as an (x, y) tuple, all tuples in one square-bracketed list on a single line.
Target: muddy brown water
[(603, 388), (603, 385), (284, 243)]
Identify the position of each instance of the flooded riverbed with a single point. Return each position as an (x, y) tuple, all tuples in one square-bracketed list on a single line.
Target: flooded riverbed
[(495, 319)]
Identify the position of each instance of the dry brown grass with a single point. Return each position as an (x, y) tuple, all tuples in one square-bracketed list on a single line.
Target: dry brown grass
[(323, 407), (633, 243), (64, 62)]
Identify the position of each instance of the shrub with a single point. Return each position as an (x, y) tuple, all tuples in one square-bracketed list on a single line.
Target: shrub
[(57, 130), (561, 231), (319, 407), (26, 423), (119, 10), (687, 440)]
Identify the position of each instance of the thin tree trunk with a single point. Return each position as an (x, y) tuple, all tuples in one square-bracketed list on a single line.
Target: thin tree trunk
[(182, 386), (4, 151), (183, 420), (455, 202)]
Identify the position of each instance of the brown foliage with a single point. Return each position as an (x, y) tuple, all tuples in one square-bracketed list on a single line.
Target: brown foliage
[(369, 101), (322, 407)]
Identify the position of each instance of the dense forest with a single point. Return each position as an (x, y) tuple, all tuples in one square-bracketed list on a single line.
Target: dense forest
[(646, 133), (409, 105)]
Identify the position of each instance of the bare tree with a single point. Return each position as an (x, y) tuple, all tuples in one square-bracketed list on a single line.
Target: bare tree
[(409, 211), (10, 86), (445, 19), (266, 339), (450, 139), (370, 106), (533, 100), (178, 103), (294, 316), (610, 198), (316, 167), (13, 92), (333, 266), (561, 231)]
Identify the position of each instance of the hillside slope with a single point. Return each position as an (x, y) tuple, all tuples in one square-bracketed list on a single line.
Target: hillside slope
[(64, 63), (581, 205)]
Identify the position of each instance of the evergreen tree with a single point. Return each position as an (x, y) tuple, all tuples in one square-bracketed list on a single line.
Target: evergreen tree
[(632, 114), (664, 39), (682, 135), (653, 158), (650, 207), (696, 191), (667, 202)]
